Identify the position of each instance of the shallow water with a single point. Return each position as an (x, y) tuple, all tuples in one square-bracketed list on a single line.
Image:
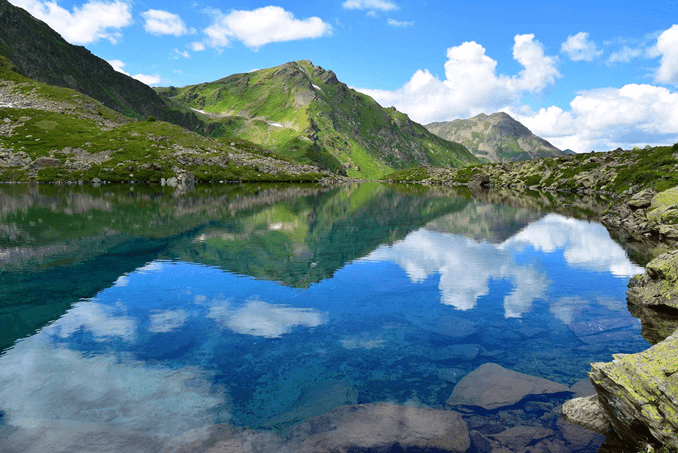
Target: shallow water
[(144, 314)]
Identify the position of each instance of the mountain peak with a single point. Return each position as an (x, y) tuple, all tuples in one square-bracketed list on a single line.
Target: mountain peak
[(497, 137)]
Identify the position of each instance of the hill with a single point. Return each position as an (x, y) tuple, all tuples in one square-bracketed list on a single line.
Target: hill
[(495, 138), (305, 112), (40, 53), (50, 133)]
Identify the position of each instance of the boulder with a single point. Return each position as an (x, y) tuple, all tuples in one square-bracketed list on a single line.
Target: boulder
[(587, 412), (48, 162), (479, 181), (642, 199), (519, 437), (639, 393), (492, 386), (658, 286), (384, 427)]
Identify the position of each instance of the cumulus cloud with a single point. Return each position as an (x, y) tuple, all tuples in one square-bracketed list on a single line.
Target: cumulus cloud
[(86, 24), (608, 118), (399, 23), (471, 84), (579, 48), (624, 55), (262, 26), (370, 5), (262, 319), (143, 78), (160, 22), (667, 47), (465, 268)]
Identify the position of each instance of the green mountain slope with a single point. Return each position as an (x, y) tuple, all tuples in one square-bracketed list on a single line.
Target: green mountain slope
[(495, 138), (52, 133), (40, 53), (303, 111)]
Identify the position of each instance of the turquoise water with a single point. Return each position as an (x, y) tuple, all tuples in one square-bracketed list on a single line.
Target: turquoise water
[(265, 308)]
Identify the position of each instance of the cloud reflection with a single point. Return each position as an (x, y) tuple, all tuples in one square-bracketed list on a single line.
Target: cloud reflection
[(102, 321), (586, 245), (163, 321), (465, 269), (262, 319)]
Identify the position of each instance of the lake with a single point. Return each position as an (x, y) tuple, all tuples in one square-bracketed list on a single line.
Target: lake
[(272, 318)]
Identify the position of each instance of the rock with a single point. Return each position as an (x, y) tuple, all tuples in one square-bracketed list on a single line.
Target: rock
[(479, 181), (658, 286), (578, 437), (520, 436), (492, 386), (172, 182), (448, 326), (452, 375), (383, 427), (583, 388), (455, 352), (96, 181), (642, 199), (587, 412), (584, 328), (482, 443), (656, 325), (48, 162), (640, 393)]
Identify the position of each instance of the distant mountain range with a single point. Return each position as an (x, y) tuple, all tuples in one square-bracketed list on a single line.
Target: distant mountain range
[(495, 138), (304, 111)]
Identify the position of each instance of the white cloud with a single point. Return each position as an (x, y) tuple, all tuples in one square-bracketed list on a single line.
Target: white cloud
[(667, 47), (579, 48), (148, 80), (471, 85), (160, 22), (399, 23), (85, 24), (370, 5), (608, 118), (262, 26), (180, 53), (262, 319), (197, 46), (624, 55)]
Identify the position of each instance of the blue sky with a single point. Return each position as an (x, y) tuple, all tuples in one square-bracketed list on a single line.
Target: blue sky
[(585, 75)]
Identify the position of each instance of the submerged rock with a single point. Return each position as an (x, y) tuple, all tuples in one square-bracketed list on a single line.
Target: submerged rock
[(492, 386), (384, 427)]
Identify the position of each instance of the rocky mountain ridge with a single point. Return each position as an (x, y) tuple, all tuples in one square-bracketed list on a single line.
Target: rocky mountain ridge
[(305, 112), (495, 138)]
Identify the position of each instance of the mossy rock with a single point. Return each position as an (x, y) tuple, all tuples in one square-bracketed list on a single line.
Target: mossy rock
[(664, 207)]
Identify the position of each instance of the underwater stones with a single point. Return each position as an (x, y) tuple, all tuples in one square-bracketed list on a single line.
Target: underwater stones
[(492, 386), (455, 352), (587, 412), (382, 427), (578, 437), (452, 375), (585, 328), (583, 388), (519, 437), (639, 393), (449, 326)]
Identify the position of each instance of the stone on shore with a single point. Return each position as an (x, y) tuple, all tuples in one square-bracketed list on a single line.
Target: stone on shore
[(587, 412), (492, 386), (658, 285)]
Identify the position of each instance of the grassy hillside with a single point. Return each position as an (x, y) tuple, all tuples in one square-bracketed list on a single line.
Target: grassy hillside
[(51, 133), (304, 112)]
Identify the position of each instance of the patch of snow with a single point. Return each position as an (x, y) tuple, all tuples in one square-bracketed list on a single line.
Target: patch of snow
[(199, 111), (275, 124), (317, 87)]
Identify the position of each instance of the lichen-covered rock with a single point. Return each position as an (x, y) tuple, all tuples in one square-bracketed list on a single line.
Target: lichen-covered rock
[(658, 286), (479, 181), (639, 393), (587, 412), (642, 199)]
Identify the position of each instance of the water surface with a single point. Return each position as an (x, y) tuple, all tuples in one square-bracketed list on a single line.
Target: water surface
[(144, 313)]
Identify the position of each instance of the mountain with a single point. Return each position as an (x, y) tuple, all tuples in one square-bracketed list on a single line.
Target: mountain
[(305, 112), (495, 138), (40, 53)]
